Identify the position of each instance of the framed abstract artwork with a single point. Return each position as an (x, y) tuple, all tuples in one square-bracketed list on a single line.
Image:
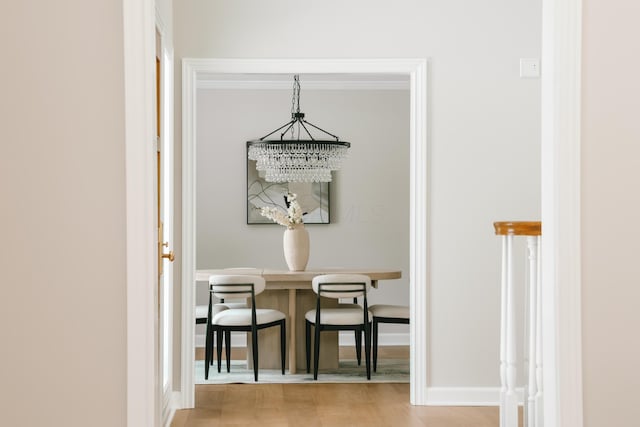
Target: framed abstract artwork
[(312, 197)]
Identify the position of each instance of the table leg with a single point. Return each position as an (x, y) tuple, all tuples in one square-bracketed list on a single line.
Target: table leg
[(295, 303), (291, 327)]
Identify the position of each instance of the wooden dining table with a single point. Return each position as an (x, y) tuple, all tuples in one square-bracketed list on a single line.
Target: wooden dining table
[(291, 293)]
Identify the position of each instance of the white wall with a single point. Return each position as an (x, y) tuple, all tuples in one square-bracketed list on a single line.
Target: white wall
[(610, 212), (164, 18), (62, 220), (369, 196), (483, 132)]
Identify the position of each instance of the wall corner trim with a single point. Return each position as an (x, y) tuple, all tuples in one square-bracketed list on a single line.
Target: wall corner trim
[(561, 212), (139, 45)]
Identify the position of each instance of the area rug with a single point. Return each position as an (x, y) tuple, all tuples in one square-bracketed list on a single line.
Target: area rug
[(389, 371)]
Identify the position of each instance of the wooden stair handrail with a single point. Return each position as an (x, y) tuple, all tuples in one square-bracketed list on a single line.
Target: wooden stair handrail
[(518, 228)]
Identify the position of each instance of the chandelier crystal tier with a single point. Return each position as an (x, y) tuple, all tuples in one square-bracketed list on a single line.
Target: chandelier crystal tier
[(297, 159)]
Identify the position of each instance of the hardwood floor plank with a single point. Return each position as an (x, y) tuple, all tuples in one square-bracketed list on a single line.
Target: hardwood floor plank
[(323, 405)]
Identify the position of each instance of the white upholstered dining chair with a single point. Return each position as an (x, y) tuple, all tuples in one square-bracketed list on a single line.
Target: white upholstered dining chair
[(385, 313), (251, 319), (201, 311), (201, 315), (348, 317)]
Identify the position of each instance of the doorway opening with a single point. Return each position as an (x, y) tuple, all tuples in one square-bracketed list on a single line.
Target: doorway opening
[(356, 221), (415, 71)]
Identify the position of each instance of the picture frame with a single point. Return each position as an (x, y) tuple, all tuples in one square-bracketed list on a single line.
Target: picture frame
[(313, 197)]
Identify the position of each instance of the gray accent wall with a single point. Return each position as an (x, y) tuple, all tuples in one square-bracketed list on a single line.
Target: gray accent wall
[(369, 196)]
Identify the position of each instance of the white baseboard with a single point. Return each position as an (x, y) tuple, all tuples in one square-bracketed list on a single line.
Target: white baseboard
[(238, 339), (176, 403), (176, 400), (346, 338), (466, 396)]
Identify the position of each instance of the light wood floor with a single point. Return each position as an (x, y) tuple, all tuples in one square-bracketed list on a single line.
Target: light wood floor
[(324, 405)]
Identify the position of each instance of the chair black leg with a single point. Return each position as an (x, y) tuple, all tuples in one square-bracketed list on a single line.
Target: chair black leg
[(367, 348), (254, 343), (210, 336), (219, 333), (358, 337), (316, 352), (308, 344), (283, 343), (207, 351), (227, 348), (214, 330), (375, 344)]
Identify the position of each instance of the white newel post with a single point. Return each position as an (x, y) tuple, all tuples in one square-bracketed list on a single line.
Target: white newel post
[(532, 345)]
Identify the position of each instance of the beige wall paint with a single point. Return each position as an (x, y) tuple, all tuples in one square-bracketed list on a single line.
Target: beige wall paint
[(62, 216), (483, 132), (62, 191), (610, 212)]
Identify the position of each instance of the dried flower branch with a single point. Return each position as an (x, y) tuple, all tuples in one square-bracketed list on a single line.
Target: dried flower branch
[(289, 219)]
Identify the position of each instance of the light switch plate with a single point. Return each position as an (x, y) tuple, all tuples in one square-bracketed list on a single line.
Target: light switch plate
[(529, 68)]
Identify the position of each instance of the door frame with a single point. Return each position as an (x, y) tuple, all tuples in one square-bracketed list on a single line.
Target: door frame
[(166, 174), (416, 70)]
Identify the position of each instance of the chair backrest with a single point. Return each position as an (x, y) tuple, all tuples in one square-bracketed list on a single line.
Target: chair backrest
[(236, 285), (341, 285)]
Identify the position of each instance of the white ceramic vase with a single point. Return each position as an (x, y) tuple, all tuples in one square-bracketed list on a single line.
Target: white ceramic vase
[(296, 247)]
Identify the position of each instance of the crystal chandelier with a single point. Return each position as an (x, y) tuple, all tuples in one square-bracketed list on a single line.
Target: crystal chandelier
[(297, 159)]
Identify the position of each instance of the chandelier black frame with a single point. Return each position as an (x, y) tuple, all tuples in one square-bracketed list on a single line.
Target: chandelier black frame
[(297, 160)]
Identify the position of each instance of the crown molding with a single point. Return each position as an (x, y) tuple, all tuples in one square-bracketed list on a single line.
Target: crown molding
[(308, 84)]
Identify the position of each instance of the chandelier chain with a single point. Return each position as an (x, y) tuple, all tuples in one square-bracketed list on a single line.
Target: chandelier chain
[(296, 87), (295, 102)]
